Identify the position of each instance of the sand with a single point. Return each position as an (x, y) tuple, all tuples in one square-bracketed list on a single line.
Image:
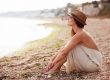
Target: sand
[(30, 65)]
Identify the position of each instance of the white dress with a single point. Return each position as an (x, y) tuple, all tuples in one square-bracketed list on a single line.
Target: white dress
[(85, 59)]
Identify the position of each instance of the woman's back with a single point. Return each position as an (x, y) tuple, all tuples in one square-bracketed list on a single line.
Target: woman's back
[(88, 41)]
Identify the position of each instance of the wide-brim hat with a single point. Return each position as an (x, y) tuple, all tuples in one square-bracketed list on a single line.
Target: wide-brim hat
[(79, 16)]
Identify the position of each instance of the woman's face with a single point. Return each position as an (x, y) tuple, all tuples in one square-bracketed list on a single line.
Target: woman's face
[(71, 21)]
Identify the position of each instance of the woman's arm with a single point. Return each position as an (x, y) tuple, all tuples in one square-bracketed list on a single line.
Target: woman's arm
[(50, 64), (53, 57), (68, 47)]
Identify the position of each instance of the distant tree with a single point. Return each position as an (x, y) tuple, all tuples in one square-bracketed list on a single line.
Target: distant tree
[(70, 6), (42, 11), (95, 3), (58, 12), (105, 0), (53, 10)]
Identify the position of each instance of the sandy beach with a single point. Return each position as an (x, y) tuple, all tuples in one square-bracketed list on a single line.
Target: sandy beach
[(29, 62)]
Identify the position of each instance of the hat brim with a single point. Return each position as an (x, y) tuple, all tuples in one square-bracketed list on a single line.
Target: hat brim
[(74, 16)]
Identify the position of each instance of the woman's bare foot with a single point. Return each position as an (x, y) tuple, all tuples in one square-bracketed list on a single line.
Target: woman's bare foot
[(52, 71)]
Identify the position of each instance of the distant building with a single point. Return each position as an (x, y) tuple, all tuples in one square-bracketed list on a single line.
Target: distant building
[(104, 1), (96, 7), (91, 9)]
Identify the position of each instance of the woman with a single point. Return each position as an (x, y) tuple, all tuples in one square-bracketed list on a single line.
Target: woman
[(80, 53)]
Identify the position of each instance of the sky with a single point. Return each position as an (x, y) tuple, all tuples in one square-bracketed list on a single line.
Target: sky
[(25, 5)]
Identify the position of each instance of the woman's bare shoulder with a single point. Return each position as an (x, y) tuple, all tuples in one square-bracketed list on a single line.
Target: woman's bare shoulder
[(82, 35), (85, 34)]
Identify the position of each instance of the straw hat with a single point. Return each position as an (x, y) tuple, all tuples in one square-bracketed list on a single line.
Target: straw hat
[(78, 15)]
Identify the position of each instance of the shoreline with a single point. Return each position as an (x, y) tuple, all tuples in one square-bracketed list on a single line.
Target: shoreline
[(16, 32), (34, 56), (29, 66), (38, 43)]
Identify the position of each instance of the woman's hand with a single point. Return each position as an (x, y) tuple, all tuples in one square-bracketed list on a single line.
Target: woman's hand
[(50, 65)]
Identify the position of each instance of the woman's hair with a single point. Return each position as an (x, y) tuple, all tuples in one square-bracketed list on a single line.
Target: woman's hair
[(79, 24), (72, 32)]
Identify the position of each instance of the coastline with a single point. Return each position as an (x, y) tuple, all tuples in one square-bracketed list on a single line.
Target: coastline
[(35, 55), (29, 64), (30, 46)]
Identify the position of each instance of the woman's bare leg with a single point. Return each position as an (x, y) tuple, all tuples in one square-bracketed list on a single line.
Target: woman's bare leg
[(57, 67)]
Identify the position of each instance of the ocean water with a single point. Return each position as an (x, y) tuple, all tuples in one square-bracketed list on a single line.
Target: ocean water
[(16, 32)]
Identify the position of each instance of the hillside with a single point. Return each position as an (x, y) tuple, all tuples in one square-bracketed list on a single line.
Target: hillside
[(45, 13), (105, 12)]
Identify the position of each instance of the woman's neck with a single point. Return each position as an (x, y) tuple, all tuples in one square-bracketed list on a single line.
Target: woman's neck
[(76, 29)]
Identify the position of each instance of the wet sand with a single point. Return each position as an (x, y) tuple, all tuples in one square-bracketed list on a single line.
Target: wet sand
[(29, 65)]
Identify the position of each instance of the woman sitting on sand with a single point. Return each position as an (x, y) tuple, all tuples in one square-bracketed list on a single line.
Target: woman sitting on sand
[(81, 52)]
